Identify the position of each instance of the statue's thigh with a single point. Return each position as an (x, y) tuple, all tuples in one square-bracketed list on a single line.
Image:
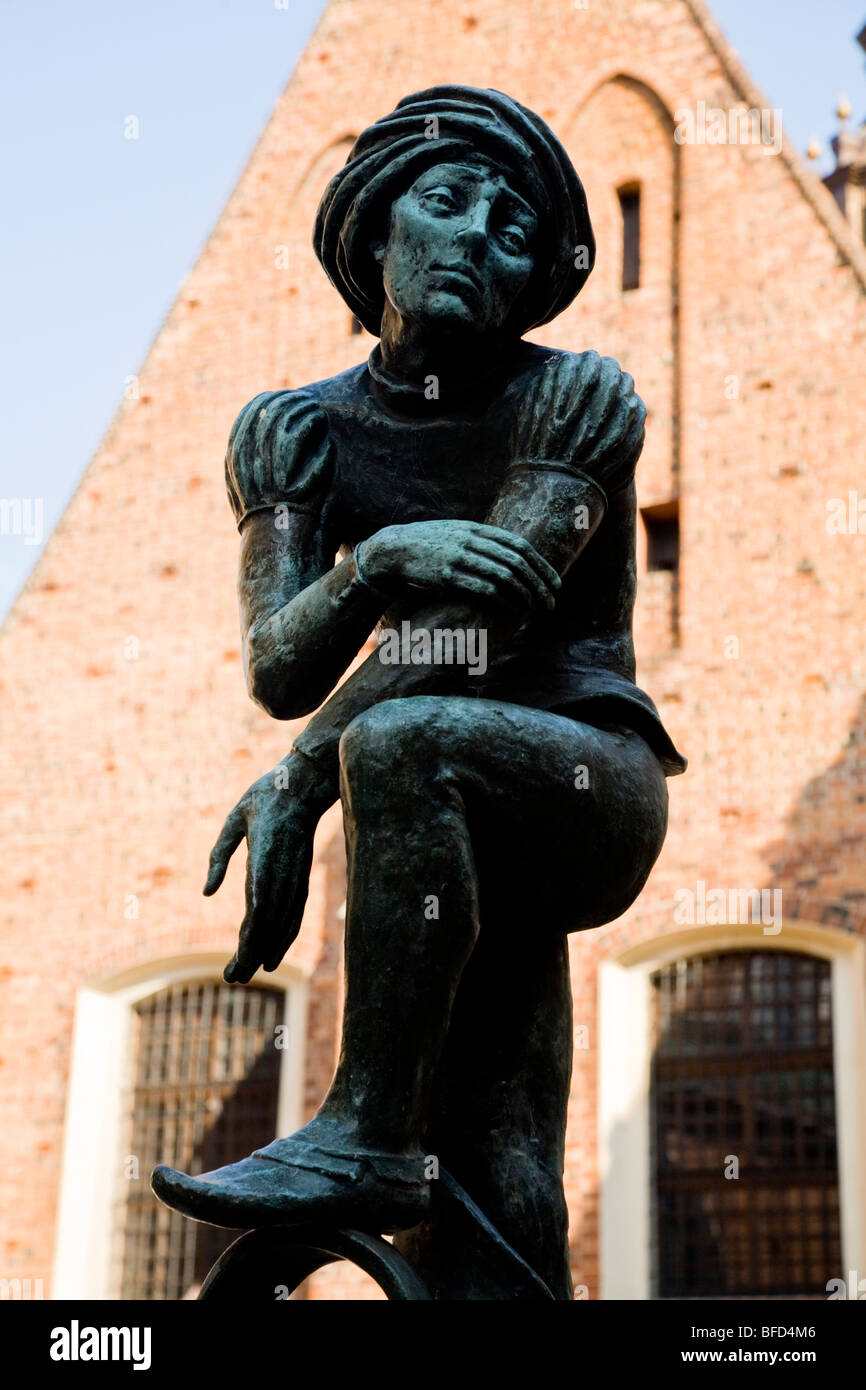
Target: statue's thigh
[(566, 819)]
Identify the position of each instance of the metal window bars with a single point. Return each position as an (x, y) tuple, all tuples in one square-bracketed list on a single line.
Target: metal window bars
[(742, 1083), (203, 1092)]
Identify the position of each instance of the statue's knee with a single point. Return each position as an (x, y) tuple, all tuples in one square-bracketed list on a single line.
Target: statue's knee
[(384, 739)]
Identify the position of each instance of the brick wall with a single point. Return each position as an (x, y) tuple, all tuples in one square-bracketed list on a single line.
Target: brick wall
[(127, 734)]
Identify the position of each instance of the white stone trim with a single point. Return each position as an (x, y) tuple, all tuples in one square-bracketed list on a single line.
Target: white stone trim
[(100, 1057), (624, 1075)]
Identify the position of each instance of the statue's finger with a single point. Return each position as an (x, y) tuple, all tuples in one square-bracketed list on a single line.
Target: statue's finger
[(257, 929), (483, 535), (510, 584), (286, 910), (247, 958), (230, 837), (290, 929)]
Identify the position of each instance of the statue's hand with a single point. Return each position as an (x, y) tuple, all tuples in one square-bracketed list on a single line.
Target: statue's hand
[(277, 816), (469, 557)]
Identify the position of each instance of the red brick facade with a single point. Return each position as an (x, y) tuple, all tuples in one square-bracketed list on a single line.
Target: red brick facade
[(127, 733)]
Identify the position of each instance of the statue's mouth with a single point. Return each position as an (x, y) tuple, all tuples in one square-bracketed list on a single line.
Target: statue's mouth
[(460, 274)]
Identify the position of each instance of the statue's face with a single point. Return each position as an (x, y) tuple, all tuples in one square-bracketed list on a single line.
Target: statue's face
[(459, 249)]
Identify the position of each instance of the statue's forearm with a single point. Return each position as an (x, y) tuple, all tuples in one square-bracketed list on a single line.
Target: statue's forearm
[(553, 507), (294, 657), (375, 681)]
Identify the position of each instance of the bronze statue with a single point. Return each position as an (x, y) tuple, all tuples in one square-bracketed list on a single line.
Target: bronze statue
[(475, 485)]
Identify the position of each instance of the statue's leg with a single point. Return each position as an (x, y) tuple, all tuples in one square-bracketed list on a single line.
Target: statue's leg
[(431, 786), (503, 1097), (423, 779)]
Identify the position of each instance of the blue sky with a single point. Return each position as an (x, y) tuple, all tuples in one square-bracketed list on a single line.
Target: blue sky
[(100, 231)]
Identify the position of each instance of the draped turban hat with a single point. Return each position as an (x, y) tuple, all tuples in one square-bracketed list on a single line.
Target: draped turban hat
[(444, 125)]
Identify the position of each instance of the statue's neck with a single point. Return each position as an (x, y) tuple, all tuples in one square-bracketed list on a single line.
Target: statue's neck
[(412, 365)]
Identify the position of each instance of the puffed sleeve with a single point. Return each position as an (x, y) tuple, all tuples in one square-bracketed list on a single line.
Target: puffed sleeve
[(583, 409), (279, 452)]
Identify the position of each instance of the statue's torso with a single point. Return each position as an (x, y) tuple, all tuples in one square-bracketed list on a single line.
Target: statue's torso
[(390, 466), (394, 460)]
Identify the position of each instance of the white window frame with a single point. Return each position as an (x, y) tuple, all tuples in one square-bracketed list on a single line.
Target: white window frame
[(98, 1075), (625, 1056)]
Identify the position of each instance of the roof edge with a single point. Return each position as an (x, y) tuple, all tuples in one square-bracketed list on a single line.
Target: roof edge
[(820, 198)]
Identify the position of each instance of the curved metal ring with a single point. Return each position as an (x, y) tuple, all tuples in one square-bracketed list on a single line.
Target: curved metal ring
[(268, 1265)]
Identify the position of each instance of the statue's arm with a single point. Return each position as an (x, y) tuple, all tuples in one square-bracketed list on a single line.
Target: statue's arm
[(279, 813), (584, 412), (303, 620), (467, 564), (536, 508)]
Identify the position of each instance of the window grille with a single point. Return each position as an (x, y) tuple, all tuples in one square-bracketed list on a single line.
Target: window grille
[(743, 1070), (203, 1092)]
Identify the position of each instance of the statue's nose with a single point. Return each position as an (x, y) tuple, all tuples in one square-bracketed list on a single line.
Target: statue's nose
[(474, 231)]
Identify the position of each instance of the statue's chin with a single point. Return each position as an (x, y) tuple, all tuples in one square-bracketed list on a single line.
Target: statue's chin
[(451, 313)]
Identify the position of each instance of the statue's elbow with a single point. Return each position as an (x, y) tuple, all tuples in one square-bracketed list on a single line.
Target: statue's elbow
[(271, 688)]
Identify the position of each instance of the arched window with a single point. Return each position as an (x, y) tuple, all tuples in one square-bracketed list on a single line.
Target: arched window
[(743, 1126), (169, 1065), (203, 1092)]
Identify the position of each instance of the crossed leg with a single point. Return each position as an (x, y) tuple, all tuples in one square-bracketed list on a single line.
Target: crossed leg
[(457, 811)]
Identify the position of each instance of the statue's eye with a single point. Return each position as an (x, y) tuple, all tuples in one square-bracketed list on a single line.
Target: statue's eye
[(514, 238), (441, 198)]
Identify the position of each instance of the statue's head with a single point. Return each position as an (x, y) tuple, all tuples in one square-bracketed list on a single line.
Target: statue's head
[(463, 210)]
